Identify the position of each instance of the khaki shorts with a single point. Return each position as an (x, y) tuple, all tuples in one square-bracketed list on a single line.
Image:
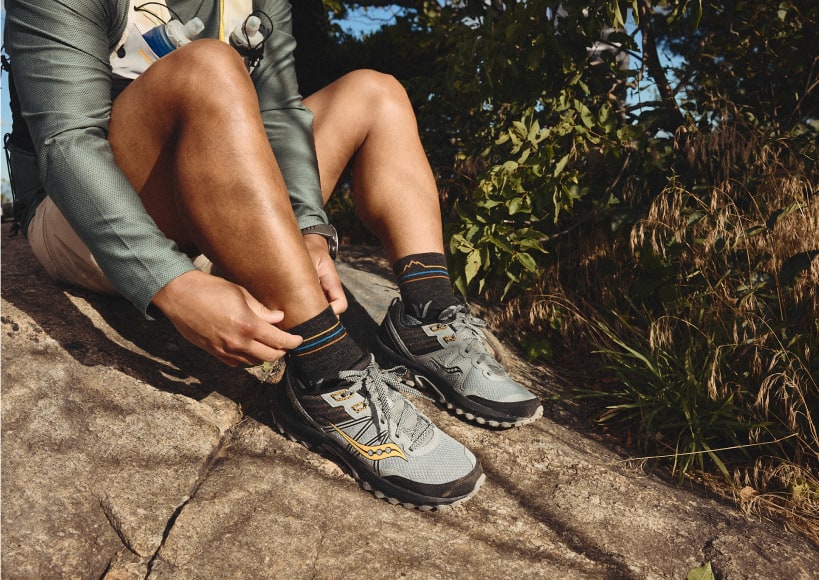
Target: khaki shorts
[(61, 251), (64, 255)]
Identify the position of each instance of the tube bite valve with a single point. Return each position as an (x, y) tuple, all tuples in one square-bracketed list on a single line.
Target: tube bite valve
[(248, 40)]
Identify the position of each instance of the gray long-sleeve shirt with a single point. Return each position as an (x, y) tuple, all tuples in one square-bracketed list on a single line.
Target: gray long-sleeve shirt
[(60, 51)]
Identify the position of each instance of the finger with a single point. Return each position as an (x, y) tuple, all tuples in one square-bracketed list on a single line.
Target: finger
[(260, 352), (339, 306), (337, 298), (253, 354), (334, 292), (235, 360), (277, 339)]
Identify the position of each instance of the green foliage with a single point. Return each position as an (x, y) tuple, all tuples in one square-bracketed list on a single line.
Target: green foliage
[(760, 56), (716, 316), (535, 142), (665, 393)]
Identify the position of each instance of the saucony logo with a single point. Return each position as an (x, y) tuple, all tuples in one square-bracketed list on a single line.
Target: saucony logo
[(373, 452)]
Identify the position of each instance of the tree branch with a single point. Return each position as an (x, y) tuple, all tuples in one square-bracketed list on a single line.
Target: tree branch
[(651, 59)]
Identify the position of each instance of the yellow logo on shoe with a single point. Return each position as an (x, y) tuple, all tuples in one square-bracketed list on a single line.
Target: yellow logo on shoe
[(373, 452)]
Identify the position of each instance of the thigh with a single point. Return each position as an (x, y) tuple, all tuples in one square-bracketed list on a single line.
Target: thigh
[(339, 126)]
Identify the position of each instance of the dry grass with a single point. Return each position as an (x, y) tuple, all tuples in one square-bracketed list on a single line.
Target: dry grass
[(738, 241)]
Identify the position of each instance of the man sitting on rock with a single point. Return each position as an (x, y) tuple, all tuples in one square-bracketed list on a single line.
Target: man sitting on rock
[(146, 161)]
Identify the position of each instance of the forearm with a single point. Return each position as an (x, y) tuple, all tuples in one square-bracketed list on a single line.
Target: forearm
[(288, 123), (51, 47), (291, 137), (109, 217)]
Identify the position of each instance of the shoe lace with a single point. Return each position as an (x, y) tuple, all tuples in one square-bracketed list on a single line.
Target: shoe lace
[(385, 388), (469, 328)]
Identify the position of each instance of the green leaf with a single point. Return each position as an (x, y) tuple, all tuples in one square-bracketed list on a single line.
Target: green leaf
[(586, 116), (702, 573), (533, 131), (520, 129), (753, 231), (514, 205), (501, 243), (460, 285), (619, 21), (561, 164), (527, 262), (473, 264)]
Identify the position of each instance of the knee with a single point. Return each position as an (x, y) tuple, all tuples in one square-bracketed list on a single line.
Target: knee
[(211, 65), (379, 92)]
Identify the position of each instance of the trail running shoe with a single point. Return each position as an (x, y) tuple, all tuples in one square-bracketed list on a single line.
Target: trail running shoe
[(368, 427), (451, 357)]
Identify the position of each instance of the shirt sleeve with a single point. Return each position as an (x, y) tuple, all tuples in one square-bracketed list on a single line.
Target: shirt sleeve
[(60, 59), (288, 123)]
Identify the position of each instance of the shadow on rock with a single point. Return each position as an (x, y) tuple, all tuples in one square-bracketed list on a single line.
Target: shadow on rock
[(105, 330)]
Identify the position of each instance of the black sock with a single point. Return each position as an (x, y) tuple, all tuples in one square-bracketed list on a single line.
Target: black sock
[(327, 349), (423, 280)]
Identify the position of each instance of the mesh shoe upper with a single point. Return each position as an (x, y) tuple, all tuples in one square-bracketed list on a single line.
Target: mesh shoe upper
[(380, 436), (452, 354)]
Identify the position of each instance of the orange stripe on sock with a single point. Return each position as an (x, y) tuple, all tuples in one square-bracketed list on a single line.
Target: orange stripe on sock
[(322, 347), (421, 279), (322, 333)]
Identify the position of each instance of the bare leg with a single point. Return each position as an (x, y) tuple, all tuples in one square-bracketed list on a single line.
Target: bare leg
[(367, 115), (201, 162)]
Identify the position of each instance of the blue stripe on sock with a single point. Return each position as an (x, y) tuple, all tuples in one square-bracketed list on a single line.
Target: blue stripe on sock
[(423, 273), (308, 345)]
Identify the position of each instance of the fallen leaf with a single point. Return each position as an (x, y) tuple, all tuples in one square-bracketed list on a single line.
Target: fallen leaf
[(702, 573)]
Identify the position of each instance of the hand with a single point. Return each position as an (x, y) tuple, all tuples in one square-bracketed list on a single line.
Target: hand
[(224, 319), (326, 270)]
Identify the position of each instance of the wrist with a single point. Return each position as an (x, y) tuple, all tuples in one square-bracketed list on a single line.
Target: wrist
[(169, 293), (325, 231)]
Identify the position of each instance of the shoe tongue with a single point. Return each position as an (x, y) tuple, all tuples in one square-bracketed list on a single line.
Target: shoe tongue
[(330, 385), (363, 362), (402, 410), (448, 314)]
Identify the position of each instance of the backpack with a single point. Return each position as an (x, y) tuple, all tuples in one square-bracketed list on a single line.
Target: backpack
[(21, 160)]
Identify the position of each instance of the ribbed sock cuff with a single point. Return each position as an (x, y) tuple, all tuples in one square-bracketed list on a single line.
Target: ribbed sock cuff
[(423, 280), (327, 348)]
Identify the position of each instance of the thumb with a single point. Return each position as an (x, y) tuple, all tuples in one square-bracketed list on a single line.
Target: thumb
[(262, 311)]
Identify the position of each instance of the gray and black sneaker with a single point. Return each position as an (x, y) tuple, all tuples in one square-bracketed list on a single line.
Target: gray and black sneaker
[(369, 428), (451, 357)]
